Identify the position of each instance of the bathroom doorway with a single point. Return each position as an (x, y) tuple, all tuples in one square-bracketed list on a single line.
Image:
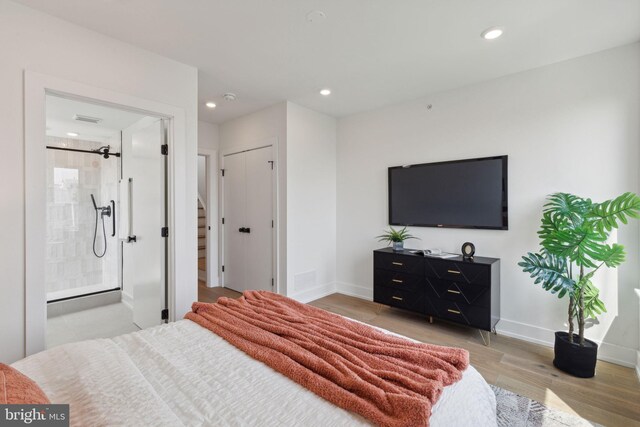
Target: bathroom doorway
[(106, 217)]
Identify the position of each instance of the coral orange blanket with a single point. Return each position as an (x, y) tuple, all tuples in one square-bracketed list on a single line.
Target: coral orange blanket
[(386, 379)]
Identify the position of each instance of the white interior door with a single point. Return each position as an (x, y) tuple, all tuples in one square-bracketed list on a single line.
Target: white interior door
[(248, 215), (143, 264), (235, 208), (259, 219)]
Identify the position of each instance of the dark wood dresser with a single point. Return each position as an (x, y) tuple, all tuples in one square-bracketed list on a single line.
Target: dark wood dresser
[(455, 289)]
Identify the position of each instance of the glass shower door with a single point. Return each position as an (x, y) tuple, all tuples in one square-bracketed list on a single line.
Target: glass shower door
[(81, 257)]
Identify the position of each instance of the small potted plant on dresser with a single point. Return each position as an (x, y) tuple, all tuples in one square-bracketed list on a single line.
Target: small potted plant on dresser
[(573, 240), (395, 237)]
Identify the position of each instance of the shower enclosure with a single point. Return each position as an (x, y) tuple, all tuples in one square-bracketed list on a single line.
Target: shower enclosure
[(106, 214), (83, 254)]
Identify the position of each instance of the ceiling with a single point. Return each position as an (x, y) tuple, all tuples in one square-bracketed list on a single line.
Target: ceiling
[(371, 53), (60, 120)]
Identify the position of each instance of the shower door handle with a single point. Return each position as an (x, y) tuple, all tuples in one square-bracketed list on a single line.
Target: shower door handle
[(133, 239), (113, 218)]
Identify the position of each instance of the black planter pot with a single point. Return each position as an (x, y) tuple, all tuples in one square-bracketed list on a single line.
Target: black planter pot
[(573, 359)]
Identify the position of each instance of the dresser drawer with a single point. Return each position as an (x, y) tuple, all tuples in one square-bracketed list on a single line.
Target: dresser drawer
[(398, 298), (478, 317), (396, 262), (458, 271), (397, 280), (462, 292)]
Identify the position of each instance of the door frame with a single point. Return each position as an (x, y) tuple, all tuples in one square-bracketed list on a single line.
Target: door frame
[(36, 87), (212, 235), (275, 241)]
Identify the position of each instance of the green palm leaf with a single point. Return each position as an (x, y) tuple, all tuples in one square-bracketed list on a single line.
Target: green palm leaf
[(551, 224), (593, 305), (564, 206), (613, 255), (580, 245), (605, 216), (549, 271)]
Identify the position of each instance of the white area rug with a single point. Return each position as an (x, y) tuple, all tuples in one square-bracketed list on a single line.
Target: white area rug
[(519, 411)]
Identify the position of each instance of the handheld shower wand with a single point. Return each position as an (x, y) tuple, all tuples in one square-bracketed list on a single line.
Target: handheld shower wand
[(104, 211)]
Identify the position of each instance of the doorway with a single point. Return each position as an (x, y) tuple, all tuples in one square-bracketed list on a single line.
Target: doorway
[(106, 256), (248, 220)]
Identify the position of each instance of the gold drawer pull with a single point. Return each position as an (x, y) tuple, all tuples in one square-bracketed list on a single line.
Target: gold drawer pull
[(451, 291), (453, 311), (453, 271), (396, 281), (397, 263), (398, 298)]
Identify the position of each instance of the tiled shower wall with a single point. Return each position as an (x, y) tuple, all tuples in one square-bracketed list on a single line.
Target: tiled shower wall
[(71, 179)]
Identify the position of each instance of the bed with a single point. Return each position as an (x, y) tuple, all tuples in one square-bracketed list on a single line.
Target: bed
[(183, 374)]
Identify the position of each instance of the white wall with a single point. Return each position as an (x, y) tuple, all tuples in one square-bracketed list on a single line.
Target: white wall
[(311, 203), (33, 41), (572, 126), (208, 135), (248, 132)]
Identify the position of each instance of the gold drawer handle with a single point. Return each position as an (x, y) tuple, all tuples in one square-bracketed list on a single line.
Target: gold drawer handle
[(451, 291), (398, 298), (453, 271), (396, 281), (453, 311), (397, 263)]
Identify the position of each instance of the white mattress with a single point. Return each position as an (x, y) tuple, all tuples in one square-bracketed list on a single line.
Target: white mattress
[(183, 374)]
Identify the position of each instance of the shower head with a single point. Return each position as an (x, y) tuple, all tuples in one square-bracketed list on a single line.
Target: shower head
[(93, 199)]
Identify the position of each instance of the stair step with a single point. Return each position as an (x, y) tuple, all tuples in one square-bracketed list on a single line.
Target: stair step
[(202, 247)]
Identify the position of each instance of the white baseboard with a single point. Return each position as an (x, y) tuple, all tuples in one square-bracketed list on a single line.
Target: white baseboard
[(638, 364), (608, 352), (314, 293), (127, 299), (363, 292)]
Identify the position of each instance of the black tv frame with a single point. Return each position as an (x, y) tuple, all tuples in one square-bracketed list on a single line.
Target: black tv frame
[(505, 194)]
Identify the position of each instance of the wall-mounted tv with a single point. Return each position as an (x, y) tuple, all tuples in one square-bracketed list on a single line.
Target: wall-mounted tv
[(469, 193)]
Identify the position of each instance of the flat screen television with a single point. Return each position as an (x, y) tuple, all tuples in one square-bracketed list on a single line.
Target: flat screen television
[(469, 193)]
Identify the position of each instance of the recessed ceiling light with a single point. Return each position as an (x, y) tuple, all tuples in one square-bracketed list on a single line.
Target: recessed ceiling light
[(325, 92), (211, 104), (72, 134), (492, 33), (230, 96)]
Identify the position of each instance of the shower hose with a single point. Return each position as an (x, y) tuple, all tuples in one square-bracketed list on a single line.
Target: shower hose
[(104, 235)]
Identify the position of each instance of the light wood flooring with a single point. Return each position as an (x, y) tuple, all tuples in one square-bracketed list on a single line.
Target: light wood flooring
[(611, 398)]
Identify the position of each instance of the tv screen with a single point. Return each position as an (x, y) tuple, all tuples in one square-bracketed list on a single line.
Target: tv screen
[(459, 194)]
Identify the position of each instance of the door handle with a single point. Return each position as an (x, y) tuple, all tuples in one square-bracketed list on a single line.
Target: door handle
[(247, 230), (113, 218), (133, 239), (241, 229)]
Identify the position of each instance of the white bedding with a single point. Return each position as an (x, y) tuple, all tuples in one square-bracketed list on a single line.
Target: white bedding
[(183, 374)]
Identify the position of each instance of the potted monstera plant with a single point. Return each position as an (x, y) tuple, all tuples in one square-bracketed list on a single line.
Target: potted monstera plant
[(573, 239), (395, 237)]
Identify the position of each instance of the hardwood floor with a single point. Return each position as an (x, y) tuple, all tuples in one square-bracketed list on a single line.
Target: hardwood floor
[(212, 294), (611, 398)]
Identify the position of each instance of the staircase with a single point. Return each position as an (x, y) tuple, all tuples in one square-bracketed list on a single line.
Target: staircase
[(202, 242)]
